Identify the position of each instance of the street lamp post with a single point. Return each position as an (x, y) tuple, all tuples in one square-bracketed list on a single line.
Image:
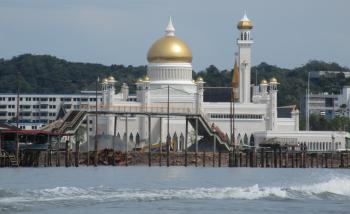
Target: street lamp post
[(96, 125), (17, 118), (168, 127)]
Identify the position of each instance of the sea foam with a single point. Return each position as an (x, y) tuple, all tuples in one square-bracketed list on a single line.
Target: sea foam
[(334, 188)]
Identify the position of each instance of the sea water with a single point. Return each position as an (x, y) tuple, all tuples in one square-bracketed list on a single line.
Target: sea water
[(173, 190)]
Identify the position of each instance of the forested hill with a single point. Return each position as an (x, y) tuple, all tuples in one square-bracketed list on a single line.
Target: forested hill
[(48, 74)]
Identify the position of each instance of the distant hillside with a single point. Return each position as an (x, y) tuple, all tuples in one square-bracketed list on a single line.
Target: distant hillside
[(48, 74)]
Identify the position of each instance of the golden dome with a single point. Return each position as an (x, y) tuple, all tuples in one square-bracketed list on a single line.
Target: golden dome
[(263, 82), (273, 80), (111, 78), (169, 49), (245, 23), (146, 79), (199, 79), (139, 80), (104, 81)]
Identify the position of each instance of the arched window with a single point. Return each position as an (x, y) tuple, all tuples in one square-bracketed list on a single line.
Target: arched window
[(239, 138), (245, 36), (131, 137), (245, 140), (137, 139), (252, 140), (175, 144), (182, 142)]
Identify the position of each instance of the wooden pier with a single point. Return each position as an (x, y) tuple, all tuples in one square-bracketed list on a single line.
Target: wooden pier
[(255, 157)]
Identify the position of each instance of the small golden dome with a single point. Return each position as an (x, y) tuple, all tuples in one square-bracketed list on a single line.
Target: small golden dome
[(169, 49), (139, 80), (104, 81), (111, 78), (273, 80), (263, 82), (146, 79), (199, 79), (245, 23)]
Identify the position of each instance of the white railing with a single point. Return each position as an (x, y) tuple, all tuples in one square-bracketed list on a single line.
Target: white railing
[(143, 109)]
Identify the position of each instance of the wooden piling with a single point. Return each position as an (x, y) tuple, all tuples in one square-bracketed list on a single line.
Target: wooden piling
[(341, 160), (67, 153), (331, 165), (280, 156), (240, 159), (251, 158), (219, 164), (77, 153), (246, 157), (203, 158), (168, 141), (58, 162), (275, 157), (262, 157)]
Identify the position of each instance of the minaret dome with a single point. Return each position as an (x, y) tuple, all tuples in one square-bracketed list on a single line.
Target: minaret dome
[(245, 23)]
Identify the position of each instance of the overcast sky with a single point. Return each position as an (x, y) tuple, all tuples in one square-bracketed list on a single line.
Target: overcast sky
[(286, 33)]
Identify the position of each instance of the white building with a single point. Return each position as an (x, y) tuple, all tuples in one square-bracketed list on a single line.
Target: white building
[(170, 68), (37, 110), (169, 80)]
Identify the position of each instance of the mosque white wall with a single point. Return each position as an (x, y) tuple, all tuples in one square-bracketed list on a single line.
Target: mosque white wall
[(314, 140), (285, 124)]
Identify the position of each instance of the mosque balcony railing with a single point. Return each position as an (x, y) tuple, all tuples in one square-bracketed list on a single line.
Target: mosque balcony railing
[(143, 109)]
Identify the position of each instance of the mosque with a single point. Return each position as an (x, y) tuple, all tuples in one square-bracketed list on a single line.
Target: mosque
[(169, 86)]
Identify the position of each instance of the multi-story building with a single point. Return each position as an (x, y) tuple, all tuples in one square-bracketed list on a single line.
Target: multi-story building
[(37, 110), (322, 104)]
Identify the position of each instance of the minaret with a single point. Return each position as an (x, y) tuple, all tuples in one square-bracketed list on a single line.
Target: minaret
[(200, 92), (273, 103), (244, 43)]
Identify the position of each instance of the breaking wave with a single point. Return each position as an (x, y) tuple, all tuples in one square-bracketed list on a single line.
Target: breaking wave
[(333, 189)]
